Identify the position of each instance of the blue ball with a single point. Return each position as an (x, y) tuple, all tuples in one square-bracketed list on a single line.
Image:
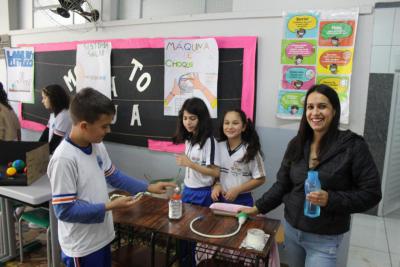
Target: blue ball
[(19, 165)]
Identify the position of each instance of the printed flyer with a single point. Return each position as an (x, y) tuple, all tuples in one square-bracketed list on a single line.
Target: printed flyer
[(20, 65), (317, 48), (291, 104), (191, 70)]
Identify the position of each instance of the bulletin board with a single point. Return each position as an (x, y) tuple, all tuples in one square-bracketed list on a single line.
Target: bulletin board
[(55, 62)]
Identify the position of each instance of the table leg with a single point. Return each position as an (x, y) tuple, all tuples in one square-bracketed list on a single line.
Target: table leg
[(152, 250), (8, 230), (55, 248)]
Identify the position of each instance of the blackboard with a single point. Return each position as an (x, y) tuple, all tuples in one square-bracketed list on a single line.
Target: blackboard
[(57, 67)]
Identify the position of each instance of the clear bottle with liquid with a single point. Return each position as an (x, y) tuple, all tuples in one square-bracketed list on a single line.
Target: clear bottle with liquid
[(175, 205), (311, 184)]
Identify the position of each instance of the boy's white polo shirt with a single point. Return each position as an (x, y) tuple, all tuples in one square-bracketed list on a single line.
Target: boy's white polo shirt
[(234, 172), (74, 173)]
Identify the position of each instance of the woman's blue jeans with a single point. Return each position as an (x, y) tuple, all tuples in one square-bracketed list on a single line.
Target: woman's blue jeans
[(310, 250)]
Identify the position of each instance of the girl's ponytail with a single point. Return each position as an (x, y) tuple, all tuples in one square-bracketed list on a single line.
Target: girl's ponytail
[(250, 136)]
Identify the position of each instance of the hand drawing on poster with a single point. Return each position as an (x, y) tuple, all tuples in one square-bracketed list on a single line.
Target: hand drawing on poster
[(191, 70), (93, 67), (19, 63), (301, 25)]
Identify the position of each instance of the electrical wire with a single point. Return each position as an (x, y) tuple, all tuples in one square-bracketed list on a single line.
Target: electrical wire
[(240, 223)]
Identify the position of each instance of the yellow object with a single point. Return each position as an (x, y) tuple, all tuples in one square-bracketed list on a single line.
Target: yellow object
[(280, 235), (214, 103), (11, 171)]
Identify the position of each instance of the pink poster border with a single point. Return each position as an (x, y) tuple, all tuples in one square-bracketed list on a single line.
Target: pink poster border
[(248, 43)]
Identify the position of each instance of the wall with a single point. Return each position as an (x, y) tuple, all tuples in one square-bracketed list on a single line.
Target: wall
[(386, 41)]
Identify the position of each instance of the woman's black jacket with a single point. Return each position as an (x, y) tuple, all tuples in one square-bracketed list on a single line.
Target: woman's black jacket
[(346, 171)]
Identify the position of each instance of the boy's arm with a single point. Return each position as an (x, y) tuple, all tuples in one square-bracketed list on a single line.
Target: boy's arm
[(80, 211), (120, 180)]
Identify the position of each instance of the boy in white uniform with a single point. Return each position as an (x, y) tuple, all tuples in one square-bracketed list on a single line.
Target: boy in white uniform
[(78, 172)]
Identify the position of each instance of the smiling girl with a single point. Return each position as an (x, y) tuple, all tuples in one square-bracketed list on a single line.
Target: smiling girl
[(242, 165)]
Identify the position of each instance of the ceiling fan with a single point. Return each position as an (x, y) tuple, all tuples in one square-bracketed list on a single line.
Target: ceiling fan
[(76, 6)]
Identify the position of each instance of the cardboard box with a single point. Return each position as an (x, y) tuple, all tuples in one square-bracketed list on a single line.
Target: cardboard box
[(34, 154)]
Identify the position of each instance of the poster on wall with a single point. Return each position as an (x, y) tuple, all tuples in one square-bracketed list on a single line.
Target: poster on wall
[(317, 48), (93, 67), (190, 70), (20, 66), (139, 118)]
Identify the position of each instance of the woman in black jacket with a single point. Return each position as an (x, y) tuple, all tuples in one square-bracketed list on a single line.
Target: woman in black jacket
[(350, 182)]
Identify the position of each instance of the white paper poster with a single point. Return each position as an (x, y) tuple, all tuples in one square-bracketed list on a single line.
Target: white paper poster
[(93, 67), (20, 63), (191, 70)]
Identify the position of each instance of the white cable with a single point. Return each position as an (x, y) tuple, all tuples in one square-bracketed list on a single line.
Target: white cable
[(213, 236)]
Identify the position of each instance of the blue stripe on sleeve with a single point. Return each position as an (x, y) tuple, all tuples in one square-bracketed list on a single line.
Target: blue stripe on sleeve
[(80, 211), (122, 181)]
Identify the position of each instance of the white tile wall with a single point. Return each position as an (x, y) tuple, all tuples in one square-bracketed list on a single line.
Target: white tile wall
[(394, 58), (380, 59), (396, 30), (383, 26)]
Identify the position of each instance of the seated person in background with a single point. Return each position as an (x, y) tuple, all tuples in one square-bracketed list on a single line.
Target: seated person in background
[(79, 171), (10, 129), (56, 100)]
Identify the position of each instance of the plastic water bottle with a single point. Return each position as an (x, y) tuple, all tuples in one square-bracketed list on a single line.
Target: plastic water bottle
[(175, 205), (311, 184)]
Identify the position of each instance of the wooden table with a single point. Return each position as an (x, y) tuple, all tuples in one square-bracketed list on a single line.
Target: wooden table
[(152, 214)]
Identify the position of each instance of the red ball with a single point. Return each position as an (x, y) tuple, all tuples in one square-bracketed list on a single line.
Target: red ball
[(25, 170)]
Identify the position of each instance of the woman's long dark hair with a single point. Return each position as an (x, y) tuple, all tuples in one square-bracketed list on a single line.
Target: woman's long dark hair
[(59, 98), (249, 135), (305, 132), (197, 107), (4, 98)]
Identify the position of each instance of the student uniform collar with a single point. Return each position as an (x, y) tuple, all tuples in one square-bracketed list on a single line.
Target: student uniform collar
[(87, 150), (231, 152)]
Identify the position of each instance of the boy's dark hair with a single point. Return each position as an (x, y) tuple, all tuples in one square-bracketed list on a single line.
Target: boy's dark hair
[(59, 98), (4, 98), (89, 104), (249, 136), (197, 107), (305, 133)]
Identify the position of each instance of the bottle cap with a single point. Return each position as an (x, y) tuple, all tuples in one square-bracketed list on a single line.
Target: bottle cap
[(176, 195)]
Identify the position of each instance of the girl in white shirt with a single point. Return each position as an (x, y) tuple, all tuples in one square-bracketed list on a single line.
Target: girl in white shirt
[(201, 157), (242, 166), (56, 100)]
